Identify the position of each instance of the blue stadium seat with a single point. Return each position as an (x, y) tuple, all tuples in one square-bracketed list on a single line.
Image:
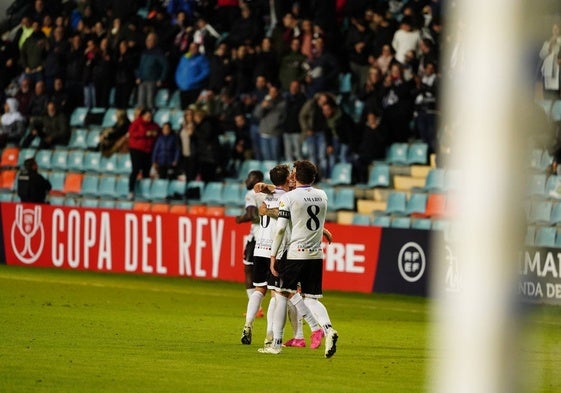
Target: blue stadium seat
[(107, 184), (266, 167), (416, 204), (89, 202), (78, 117), (57, 180), (556, 111), (162, 98), (345, 198), (545, 236), (142, 189), (536, 184), (92, 139), (345, 83), (159, 190), (7, 197), (176, 119), (107, 203), (397, 154), (530, 238), (540, 212), (124, 165), (91, 161), (75, 161), (43, 158), (108, 164), (381, 221), (233, 194), (330, 192), (24, 154), (162, 116), (57, 200), (109, 118), (59, 160), (233, 211), (175, 100), (379, 176), (361, 219), (248, 166), (341, 174), (421, 223), (555, 217), (400, 222), (124, 205), (212, 193), (70, 201), (90, 185), (434, 181), (417, 153), (78, 138), (176, 190), (395, 204)]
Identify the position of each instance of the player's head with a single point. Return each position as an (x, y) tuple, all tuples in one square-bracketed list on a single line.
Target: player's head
[(253, 177), (279, 174), (305, 172)]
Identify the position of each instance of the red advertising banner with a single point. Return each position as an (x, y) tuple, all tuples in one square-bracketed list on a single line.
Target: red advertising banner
[(205, 247)]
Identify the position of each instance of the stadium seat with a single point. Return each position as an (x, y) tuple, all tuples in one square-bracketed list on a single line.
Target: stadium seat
[(176, 190), (341, 174), (57, 179), (379, 176), (142, 189), (8, 180), (395, 204), (540, 212), (330, 192), (124, 165), (73, 183), (91, 161), (535, 159), (78, 139), (7, 197), (178, 209), (194, 190), (43, 159), (434, 181), (162, 98), (545, 236), (160, 207), (361, 219), (397, 154), (59, 160), (107, 203), (530, 238), (441, 225), (123, 205), (345, 199), (381, 221), (162, 115), (109, 118), (233, 211), (556, 111), (176, 119), (216, 211), (555, 217), (400, 222), (551, 184), (417, 153), (345, 83), (90, 185), (421, 223), (436, 205), (246, 167), (75, 161), (108, 164), (212, 193), (546, 106), (24, 154), (142, 206), (57, 200), (196, 210), (107, 186), (159, 190), (122, 187), (175, 100), (416, 204), (92, 139), (233, 194), (536, 185), (10, 157), (266, 167), (78, 117), (89, 202)]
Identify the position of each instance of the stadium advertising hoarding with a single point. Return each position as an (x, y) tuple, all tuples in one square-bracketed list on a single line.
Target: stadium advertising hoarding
[(540, 275), (203, 247)]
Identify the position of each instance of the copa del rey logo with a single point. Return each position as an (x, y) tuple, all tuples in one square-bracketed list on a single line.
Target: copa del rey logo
[(28, 234)]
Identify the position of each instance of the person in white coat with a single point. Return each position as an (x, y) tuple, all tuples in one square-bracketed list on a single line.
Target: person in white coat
[(549, 54)]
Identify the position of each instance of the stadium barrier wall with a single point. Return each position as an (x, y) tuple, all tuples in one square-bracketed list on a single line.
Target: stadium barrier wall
[(361, 259)]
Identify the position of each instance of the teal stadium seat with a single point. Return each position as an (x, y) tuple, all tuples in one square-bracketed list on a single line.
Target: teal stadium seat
[(395, 204), (59, 160), (24, 154), (91, 161), (381, 221), (397, 154), (90, 185), (540, 212), (124, 165), (401, 222), (78, 117), (78, 138), (345, 199), (43, 159), (248, 166), (416, 204), (545, 236), (162, 98), (536, 185), (361, 219), (107, 203), (89, 202), (162, 115), (233, 194), (57, 180), (159, 190), (142, 189), (555, 217), (212, 193), (92, 138), (108, 164), (434, 181), (109, 118), (176, 190), (379, 176), (421, 223), (106, 187), (341, 174), (75, 161), (417, 153)]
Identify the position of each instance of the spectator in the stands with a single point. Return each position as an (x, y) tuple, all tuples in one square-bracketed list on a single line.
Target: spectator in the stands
[(125, 63), (60, 97), (23, 95), (266, 61), (372, 146), (549, 55), (358, 42), (426, 95), (385, 60), (116, 34), (271, 113), (188, 145), (250, 101), (205, 36), (243, 64), (383, 32), (220, 69), (151, 72), (54, 61), (209, 155), (307, 38), (33, 53), (103, 74), (323, 74), (283, 33), (74, 74), (397, 104), (91, 58), (228, 108), (314, 128), (291, 66), (143, 133), (340, 135), (226, 12), (405, 39), (166, 153), (39, 100), (246, 30), (13, 123), (292, 135), (191, 75), (114, 138), (372, 92), (52, 129), (8, 63)]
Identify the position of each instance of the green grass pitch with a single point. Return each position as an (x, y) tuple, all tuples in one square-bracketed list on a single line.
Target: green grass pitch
[(65, 331)]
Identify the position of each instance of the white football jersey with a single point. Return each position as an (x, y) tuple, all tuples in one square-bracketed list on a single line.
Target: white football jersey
[(267, 227), (253, 198), (304, 209)]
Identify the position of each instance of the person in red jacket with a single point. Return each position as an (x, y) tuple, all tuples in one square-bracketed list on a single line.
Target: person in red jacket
[(143, 133)]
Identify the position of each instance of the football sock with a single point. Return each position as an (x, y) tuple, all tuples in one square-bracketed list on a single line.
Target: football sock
[(270, 314), (253, 305), (305, 312), (320, 312), (279, 318)]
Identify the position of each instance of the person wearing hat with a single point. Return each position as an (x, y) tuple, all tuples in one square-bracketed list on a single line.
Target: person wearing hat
[(32, 186)]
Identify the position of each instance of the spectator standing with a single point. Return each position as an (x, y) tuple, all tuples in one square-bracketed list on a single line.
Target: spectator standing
[(60, 97), (13, 123), (38, 102), (271, 113), (372, 92), (91, 59), (340, 134), (52, 129), (385, 60), (23, 95), (112, 139), (397, 103), (323, 74), (384, 31), (32, 186), (125, 64), (151, 72), (292, 136), (103, 74), (245, 30), (220, 65), (314, 128), (405, 39), (549, 54), (266, 61), (208, 146), (74, 74), (426, 96), (166, 153), (188, 143), (358, 41), (143, 133), (291, 66), (191, 75), (54, 61), (33, 53), (372, 146)]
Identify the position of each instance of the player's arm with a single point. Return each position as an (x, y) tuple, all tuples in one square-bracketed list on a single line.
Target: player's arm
[(282, 223), (264, 188), (328, 236), (271, 212), (250, 215)]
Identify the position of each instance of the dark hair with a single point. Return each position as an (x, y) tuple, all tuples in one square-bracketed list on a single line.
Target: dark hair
[(279, 174), (305, 171), (30, 164), (257, 174)]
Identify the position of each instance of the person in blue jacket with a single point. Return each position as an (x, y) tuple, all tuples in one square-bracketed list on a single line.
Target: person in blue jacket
[(191, 75), (151, 72), (166, 153)]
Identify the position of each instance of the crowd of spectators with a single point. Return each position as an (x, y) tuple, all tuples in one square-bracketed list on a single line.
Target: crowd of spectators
[(330, 80)]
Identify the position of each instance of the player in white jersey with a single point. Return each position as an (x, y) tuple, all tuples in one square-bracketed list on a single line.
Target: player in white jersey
[(250, 215), (303, 210), (261, 255)]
